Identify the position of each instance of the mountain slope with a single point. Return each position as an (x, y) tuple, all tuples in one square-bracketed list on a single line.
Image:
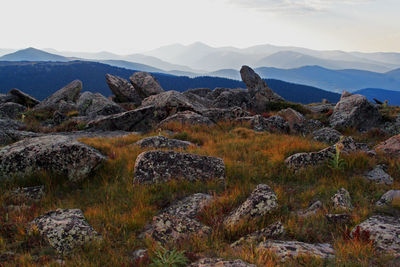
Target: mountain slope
[(32, 54), (44, 78)]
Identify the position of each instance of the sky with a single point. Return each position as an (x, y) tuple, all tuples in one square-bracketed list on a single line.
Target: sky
[(130, 26)]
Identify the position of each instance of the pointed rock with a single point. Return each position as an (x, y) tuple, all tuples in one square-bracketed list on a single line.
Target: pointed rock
[(145, 84), (23, 99), (123, 90)]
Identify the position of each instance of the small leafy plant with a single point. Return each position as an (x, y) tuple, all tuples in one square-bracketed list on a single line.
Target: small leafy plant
[(169, 258), (337, 163)]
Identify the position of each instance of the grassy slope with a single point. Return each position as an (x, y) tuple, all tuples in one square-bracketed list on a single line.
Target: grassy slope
[(119, 209)]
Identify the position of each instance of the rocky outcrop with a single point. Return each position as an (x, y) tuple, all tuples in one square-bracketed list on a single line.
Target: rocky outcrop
[(11, 110), (379, 176), (384, 231), (160, 166), (224, 114), (123, 90), (271, 232), (260, 202), (285, 250), (274, 124), (141, 119), (216, 92), (162, 142), (21, 98), (327, 135), (233, 98), (214, 262), (186, 118), (259, 91), (65, 230), (312, 210), (388, 197), (390, 146), (342, 200), (58, 154), (93, 105), (145, 84), (202, 92), (62, 100), (355, 111)]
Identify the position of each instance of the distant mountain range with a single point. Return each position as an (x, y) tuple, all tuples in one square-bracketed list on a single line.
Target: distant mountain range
[(32, 54), (40, 79)]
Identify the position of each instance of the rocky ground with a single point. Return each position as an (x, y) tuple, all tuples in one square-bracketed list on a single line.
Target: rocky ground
[(223, 177)]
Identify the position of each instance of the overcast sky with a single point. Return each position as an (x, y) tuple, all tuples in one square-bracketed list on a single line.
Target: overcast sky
[(126, 26)]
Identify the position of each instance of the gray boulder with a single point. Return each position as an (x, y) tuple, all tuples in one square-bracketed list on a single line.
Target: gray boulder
[(379, 176), (65, 230), (202, 92), (388, 197), (216, 92), (198, 101), (123, 90), (186, 118), (233, 98), (162, 142), (294, 118), (271, 232), (160, 166), (342, 200), (384, 231), (274, 124), (285, 250), (214, 262), (312, 210), (355, 111), (145, 84), (11, 110), (58, 154), (224, 114), (23, 99), (327, 135), (93, 105), (260, 202)]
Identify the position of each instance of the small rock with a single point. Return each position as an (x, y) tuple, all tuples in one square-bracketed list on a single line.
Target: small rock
[(139, 255), (379, 176), (260, 202), (342, 200), (388, 197), (327, 135), (214, 262), (34, 193), (162, 142), (145, 84), (273, 231), (341, 219), (294, 118), (390, 146), (312, 210)]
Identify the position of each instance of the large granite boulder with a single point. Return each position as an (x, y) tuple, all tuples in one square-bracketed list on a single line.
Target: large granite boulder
[(145, 84), (342, 200), (327, 135), (388, 198), (9, 124), (63, 100), (65, 229), (186, 118), (259, 91), (379, 175), (202, 92), (294, 118), (233, 98), (141, 119), (11, 110), (390, 147), (384, 231), (123, 90), (355, 111), (93, 105), (198, 101), (260, 202), (58, 154), (11, 136), (217, 262), (22, 98), (160, 166), (271, 232), (162, 142), (224, 114), (285, 250)]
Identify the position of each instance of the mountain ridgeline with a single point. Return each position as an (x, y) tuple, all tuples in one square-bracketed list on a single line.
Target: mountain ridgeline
[(41, 79)]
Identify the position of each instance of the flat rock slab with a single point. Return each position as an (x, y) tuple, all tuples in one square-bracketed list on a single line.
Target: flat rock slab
[(271, 232), (291, 249), (65, 229), (160, 166), (384, 231), (216, 262), (260, 202), (379, 176), (59, 154), (388, 197), (163, 142)]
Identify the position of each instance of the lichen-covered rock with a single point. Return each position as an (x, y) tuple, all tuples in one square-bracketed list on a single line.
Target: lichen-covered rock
[(141, 119), (384, 231), (145, 84), (216, 92), (160, 166), (355, 111), (199, 101), (11, 136), (271, 232), (233, 98), (186, 118), (162, 142), (8, 124), (58, 154), (224, 115), (273, 124), (388, 197), (341, 219), (390, 146), (379, 176), (202, 92), (260, 202), (93, 105), (23, 98), (33, 193), (123, 90), (294, 118), (285, 250), (312, 210), (342, 200), (190, 206), (217, 262), (11, 110), (65, 230), (327, 135)]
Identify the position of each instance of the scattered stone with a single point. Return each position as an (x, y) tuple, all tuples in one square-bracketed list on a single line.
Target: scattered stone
[(93, 105), (379, 176), (312, 210), (384, 231), (186, 118), (355, 111), (34, 193), (163, 142), (65, 229), (11, 110), (327, 135), (260, 202), (390, 146), (202, 92), (160, 166), (273, 231), (59, 154), (341, 219), (139, 255), (145, 84), (23, 98), (123, 90), (214, 262), (388, 197), (291, 249), (342, 200)]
